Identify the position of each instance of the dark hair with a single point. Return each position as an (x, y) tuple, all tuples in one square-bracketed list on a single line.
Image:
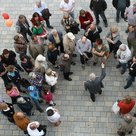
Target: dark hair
[(16, 37), (22, 56), (9, 86), (5, 51), (35, 15), (21, 17), (50, 112), (82, 12), (99, 41)]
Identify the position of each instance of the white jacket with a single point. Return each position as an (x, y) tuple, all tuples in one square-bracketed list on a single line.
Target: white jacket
[(34, 132), (124, 56)]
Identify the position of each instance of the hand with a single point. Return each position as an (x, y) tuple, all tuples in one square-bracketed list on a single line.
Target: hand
[(102, 65)]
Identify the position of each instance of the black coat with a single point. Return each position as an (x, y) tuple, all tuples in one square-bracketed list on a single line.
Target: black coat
[(132, 69), (98, 5), (115, 3)]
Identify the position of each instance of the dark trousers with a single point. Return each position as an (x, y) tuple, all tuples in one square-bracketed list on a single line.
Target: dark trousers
[(60, 45), (123, 65), (53, 88), (66, 75), (122, 11), (25, 34), (102, 14), (83, 59), (92, 96), (5, 79), (17, 66), (113, 48), (130, 80), (37, 104)]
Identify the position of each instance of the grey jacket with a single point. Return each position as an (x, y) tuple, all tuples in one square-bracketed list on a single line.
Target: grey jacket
[(94, 86)]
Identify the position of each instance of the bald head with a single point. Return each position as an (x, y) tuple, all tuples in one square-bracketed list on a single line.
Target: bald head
[(20, 115), (92, 26)]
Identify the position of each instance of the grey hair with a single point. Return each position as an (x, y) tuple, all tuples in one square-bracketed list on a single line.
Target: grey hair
[(53, 30), (122, 46), (92, 76)]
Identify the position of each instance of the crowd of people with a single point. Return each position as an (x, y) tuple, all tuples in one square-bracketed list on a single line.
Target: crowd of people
[(43, 61)]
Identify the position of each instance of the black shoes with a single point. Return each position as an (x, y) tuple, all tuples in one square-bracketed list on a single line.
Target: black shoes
[(70, 73), (94, 63), (73, 63), (69, 79), (74, 55), (118, 66), (51, 27), (123, 71)]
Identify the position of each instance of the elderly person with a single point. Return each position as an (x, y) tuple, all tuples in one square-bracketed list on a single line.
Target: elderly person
[(126, 105), (99, 51), (65, 66), (20, 44), (99, 7), (22, 27), (84, 48), (69, 45), (56, 37), (93, 33), (36, 129), (35, 48), (21, 121), (113, 39), (126, 125), (67, 6), (123, 56), (132, 73), (120, 6), (69, 24), (53, 116), (85, 19), (40, 64), (94, 84), (42, 10)]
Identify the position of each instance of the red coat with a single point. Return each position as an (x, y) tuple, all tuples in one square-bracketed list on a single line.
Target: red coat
[(48, 97), (125, 107), (87, 17)]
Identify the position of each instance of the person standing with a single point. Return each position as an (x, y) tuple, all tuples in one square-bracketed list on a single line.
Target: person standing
[(132, 73), (84, 48), (98, 7), (120, 6), (67, 6), (42, 10), (126, 125), (22, 27), (94, 84)]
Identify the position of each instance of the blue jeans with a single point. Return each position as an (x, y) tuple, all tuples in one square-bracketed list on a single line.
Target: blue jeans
[(102, 14), (72, 14), (124, 66), (37, 104), (130, 80)]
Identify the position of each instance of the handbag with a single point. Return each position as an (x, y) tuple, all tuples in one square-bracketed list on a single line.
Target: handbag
[(115, 108)]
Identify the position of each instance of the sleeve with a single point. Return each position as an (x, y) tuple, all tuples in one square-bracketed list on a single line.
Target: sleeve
[(78, 48), (116, 39), (91, 4), (17, 28), (108, 35), (61, 5), (103, 74), (89, 16), (99, 29), (90, 46), (85, 85), (37, 10)]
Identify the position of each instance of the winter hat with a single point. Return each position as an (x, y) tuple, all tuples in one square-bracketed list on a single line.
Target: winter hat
[(70, 36)]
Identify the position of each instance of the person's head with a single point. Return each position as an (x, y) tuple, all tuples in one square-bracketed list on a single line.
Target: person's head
[(9, 87), (92, 27), (11, 68), (54, 32), (65, 56), (70, 36), (99, 41), (134, 7), (127, 99), (20, 115), (34, 38), (38, 3), (128, 118), (21, 18), (49, 71), (21, 100), (66, 1), (16, 38), (50, 112), (114, 29), (22, 57), (134, 59), (92, 76), (51, 46), (40, 58), (5, 53), (83, 39), (82, 13), (33, 126), (3, 106), (36, 16), (122, 47), (65, 15)]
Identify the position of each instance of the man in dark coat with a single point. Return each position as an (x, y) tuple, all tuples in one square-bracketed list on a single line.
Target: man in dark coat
[(94, 84), (98, 7), (120, 6), (132, 73)]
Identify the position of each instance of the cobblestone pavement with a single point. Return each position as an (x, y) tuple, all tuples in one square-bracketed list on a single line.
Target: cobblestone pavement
[(79, 115)]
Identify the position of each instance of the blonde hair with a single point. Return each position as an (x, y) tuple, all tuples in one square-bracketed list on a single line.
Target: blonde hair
[(114, 29), (3, 106)]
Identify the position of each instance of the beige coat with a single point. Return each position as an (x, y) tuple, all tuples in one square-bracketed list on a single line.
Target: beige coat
[(69, 45), (126, 127), (35, 49)]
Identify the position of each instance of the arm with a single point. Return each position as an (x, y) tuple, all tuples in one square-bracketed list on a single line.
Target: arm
[(90, 46), (37, 10), (78, 48), (91, 4)]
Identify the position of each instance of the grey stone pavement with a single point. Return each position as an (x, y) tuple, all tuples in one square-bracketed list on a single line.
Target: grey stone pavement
[(79, 115)]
